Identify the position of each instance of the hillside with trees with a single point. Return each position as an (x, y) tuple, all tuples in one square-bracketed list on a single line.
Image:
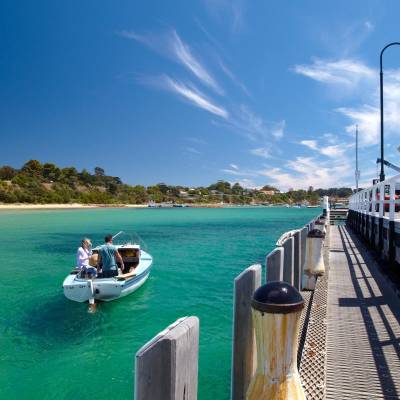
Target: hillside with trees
[(38, 183)]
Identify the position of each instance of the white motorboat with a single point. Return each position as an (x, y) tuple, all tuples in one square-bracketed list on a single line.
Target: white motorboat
[(78, 287)]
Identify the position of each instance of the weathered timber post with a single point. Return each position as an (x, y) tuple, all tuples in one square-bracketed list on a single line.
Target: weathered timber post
[(303, 234), (276, 309), (288, 260), (315, 261), (297, 274), (243, 347), (167, 366), (326, 207), (274, 265)]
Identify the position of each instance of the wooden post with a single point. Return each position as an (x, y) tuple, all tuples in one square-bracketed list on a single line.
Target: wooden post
[(167, 366), (288, 250), (274, 265), (297, 275), (243, 347), (303, 241)]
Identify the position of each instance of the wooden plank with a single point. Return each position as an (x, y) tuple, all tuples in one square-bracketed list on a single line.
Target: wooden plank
[(167, 366), (274, 265), (243, 347), (288, 252), (297, 275)]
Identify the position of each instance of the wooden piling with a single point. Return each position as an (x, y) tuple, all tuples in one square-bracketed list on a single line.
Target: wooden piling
[(167, 366), (274, 265), (303, 252), (243, 347), (288, 250), (297, 275)]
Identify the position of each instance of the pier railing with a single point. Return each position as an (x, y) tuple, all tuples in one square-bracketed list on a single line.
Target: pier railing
[(374, 214), (167, 366)]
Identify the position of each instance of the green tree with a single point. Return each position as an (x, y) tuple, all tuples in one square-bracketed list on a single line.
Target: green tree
[(7, 172), (51, 172), (32, 168), (99, 171)]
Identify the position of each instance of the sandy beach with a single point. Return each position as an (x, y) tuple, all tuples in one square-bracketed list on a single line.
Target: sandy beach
[(68, 206), (72, 206)]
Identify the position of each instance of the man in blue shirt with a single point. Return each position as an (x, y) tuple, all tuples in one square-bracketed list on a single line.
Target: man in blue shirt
[(108, 254)]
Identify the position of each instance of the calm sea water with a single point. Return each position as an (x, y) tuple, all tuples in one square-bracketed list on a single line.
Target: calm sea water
[(51, 348)]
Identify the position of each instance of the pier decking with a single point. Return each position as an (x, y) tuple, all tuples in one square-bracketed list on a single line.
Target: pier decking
[(363, 324), (348, 334)]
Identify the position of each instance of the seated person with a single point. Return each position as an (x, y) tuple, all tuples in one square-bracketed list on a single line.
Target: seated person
[(83, 256), (108, 254)]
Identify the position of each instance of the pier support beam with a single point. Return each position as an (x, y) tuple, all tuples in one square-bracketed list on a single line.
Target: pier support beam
[(243, 347), (167, 366), (297, 274), (303, 253), (288, 260), (274, 265)]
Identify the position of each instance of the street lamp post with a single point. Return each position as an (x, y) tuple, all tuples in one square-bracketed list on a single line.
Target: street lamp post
[(382, 174)]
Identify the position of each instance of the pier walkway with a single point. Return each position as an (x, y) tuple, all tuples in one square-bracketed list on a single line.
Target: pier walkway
[(363, 324)]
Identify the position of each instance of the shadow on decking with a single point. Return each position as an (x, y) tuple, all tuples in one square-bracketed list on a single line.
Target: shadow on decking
[(361, 274)]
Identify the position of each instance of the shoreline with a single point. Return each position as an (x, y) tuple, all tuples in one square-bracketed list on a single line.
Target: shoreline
[(77, 206), (67, 206)]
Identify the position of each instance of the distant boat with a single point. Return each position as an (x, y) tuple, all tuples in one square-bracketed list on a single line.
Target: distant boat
[(312, 206), (78, 288)]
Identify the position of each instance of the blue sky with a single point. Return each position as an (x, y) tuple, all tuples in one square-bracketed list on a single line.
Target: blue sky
[(189, 92)]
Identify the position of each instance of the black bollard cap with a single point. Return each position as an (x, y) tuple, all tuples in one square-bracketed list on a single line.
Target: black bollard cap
[(316, 233), (277, 298)]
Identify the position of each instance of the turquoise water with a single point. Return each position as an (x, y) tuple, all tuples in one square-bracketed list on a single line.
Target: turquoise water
[(51, 348)]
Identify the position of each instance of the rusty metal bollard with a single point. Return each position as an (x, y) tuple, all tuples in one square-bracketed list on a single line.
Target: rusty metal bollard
[(314, 258), (321, 224), (276, 309)]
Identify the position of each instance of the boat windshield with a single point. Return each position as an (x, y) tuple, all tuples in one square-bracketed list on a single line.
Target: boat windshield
[(124, 238)]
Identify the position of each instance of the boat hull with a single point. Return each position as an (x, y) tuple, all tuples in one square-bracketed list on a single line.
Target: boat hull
[(106, 289)]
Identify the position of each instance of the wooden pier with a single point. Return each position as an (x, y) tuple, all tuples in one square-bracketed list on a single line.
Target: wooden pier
[(348, 338), (363, 320)]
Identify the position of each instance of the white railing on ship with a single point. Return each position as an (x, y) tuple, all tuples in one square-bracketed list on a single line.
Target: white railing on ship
[(372, 201)]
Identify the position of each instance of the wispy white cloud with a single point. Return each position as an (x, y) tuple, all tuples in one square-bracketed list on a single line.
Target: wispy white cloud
[(333, 151), (195, 140), (364, 84), (236, 171), (192, 150), (188, 92), (195, 97), (227, 10), (171, 45), (186, 57), (344, 72), (278, 129), (367, 118), (233, 78), (302, 172), (311, 144), (369, 26), (246, 122), (263, 152)]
